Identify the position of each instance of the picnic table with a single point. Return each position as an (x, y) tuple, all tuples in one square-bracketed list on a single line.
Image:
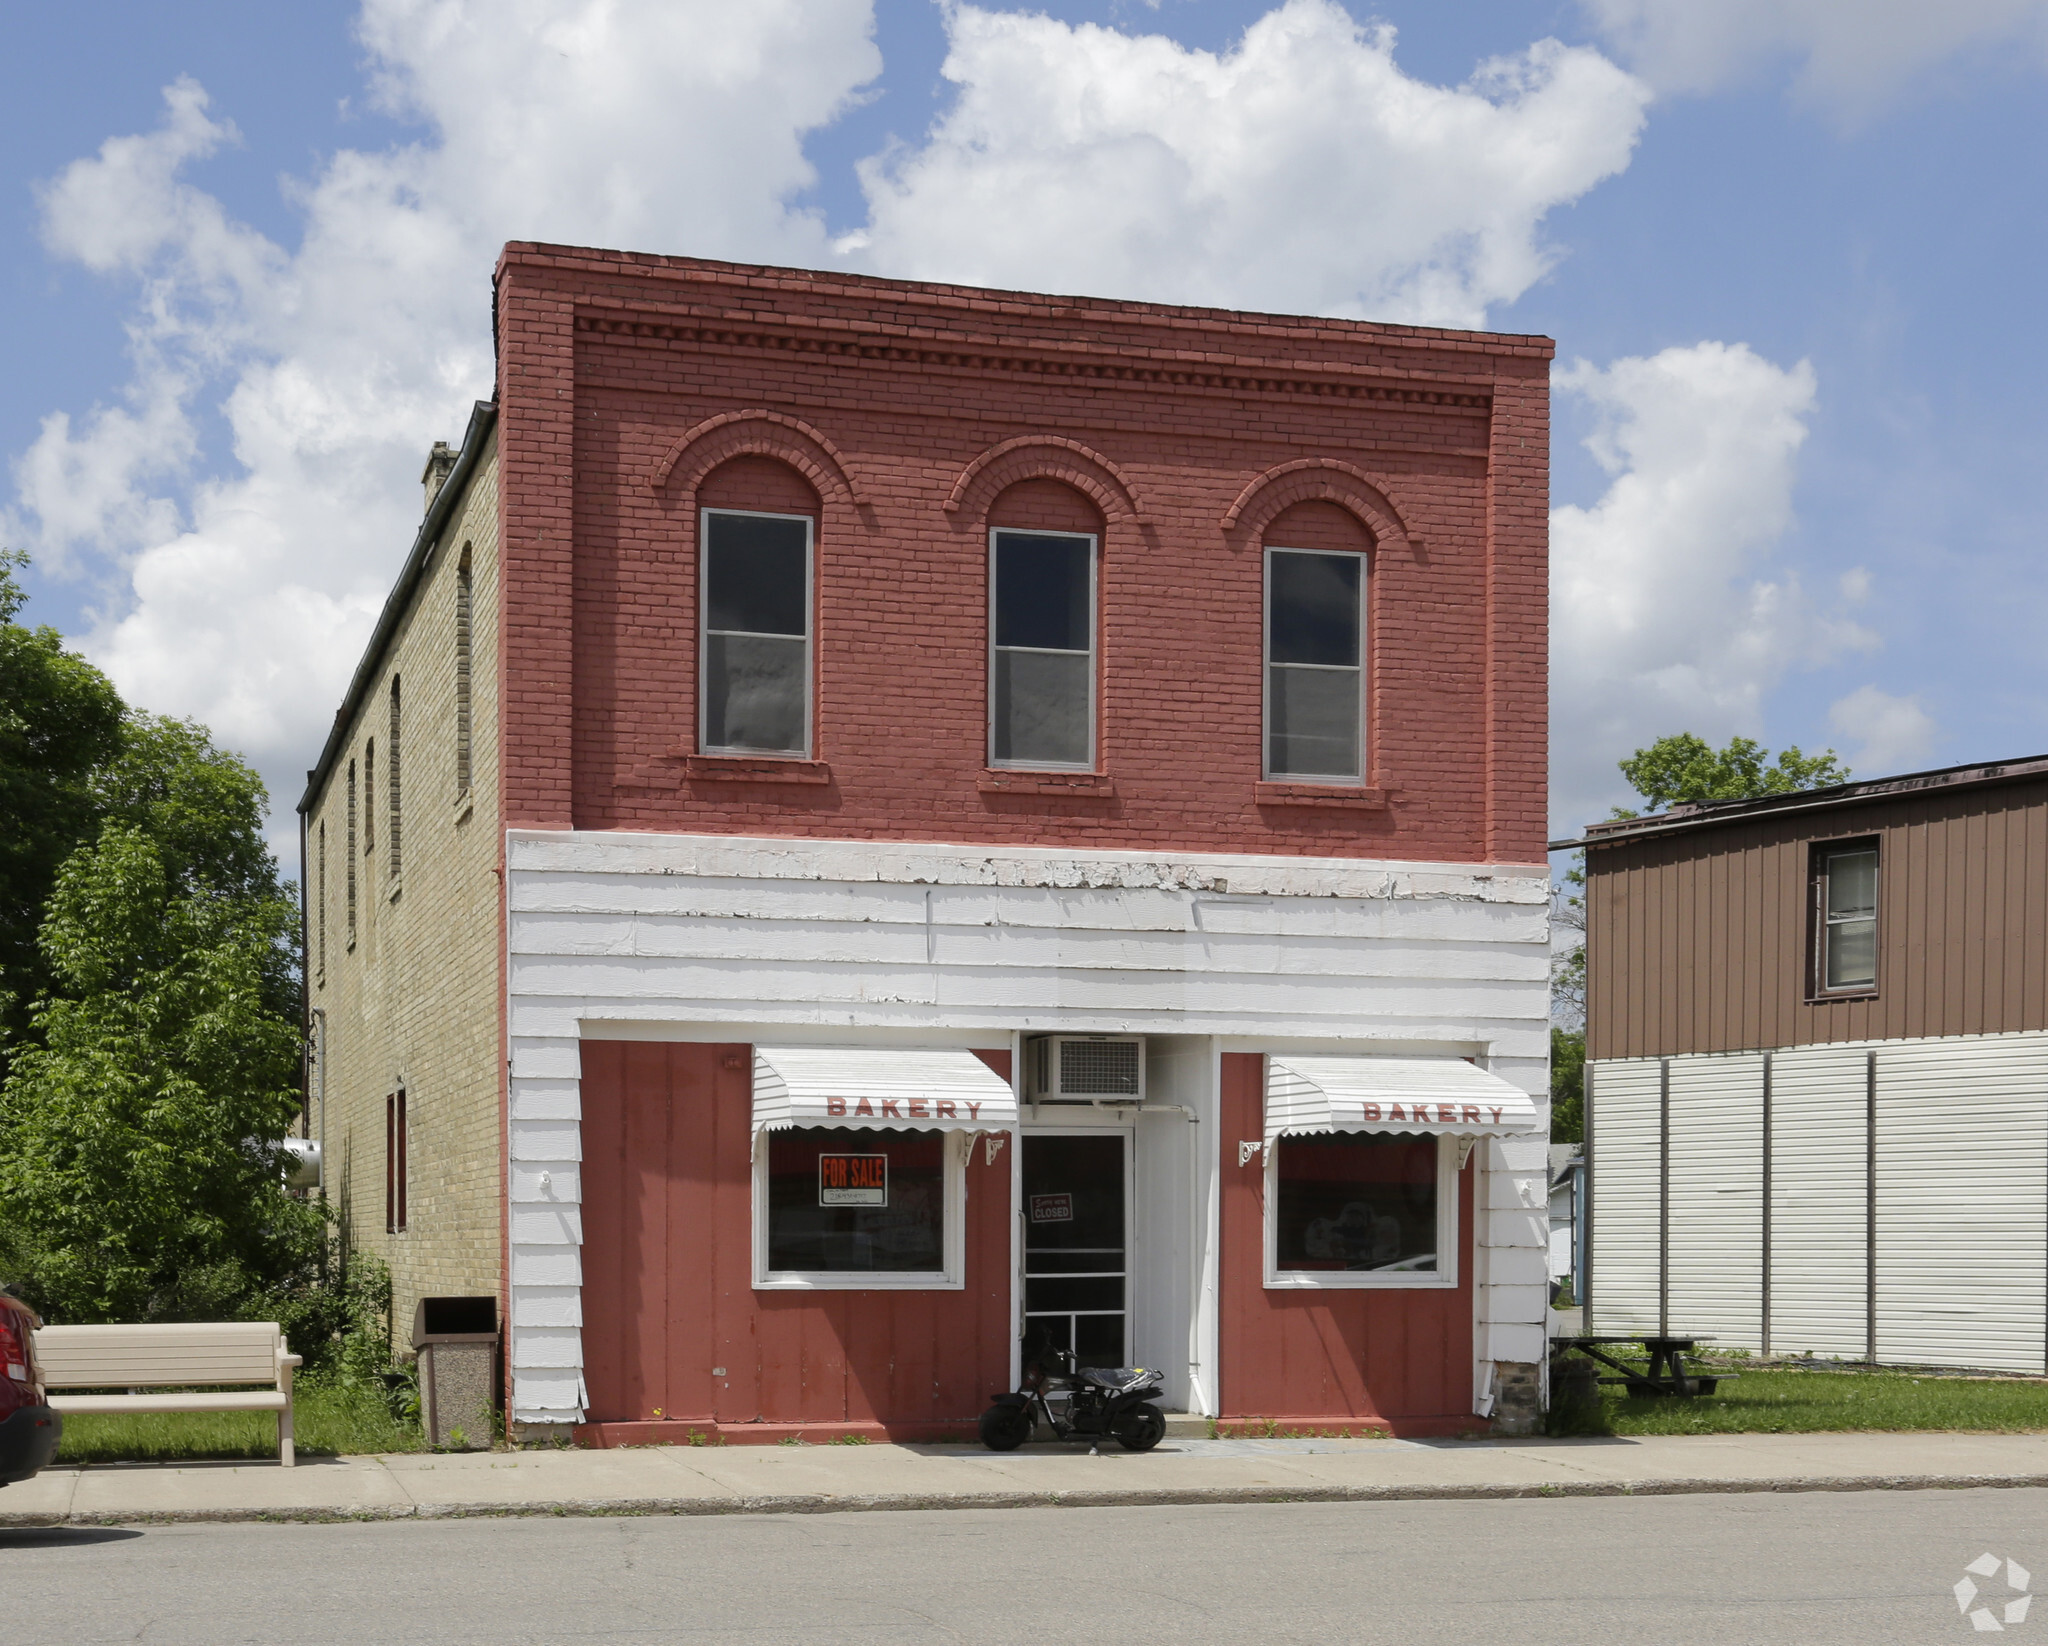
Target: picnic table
[(1666, 1372)]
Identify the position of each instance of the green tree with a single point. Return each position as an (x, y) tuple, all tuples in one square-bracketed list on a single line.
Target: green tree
[(1672, 771), (1681, 769), (202, 809), (139, 1128), (1567, 1085), (60, 721)]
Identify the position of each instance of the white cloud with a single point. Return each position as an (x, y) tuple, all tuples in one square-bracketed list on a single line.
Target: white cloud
[(661, 126), (1659, 621), (1853, 54), (1300, 171), (1893, 734)]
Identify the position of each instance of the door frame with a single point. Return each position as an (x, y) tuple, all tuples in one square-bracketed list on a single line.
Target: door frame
[(1112, 1126)]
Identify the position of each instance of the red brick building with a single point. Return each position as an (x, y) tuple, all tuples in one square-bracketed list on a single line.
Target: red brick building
[(859, 688)]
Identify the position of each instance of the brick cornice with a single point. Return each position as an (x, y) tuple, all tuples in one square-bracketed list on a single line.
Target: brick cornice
[(1178, 370), (591, 269)]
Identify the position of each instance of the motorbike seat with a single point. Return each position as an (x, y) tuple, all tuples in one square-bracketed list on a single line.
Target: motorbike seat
[(1113, 1377)]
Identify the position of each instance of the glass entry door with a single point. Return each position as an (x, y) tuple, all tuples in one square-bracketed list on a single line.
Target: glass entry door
[(1076, 1269)]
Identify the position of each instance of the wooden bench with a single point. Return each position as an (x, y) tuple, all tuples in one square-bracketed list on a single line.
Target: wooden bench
[(159, 1365)]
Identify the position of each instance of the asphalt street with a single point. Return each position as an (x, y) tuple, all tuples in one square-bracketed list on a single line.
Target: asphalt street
[(1809, 1568)]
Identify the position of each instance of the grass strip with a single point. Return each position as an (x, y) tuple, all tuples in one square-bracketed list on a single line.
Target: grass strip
[(1787, 1401), (329, 1419)]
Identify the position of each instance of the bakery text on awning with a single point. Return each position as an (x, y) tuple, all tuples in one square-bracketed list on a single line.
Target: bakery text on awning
[(900, 1088), (1391, 1094)]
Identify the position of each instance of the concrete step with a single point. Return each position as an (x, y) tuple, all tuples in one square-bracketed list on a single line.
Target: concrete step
[(1186, 1426)]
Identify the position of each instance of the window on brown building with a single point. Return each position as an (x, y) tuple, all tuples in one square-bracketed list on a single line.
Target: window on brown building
[(1845, 918)]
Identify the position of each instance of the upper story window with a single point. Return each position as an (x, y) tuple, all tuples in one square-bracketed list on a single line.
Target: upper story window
[(1042, 650), (756, 685), (1315, 665), (320, 910), (1845, 918), (465, 621), (351, 876), (394, 832)]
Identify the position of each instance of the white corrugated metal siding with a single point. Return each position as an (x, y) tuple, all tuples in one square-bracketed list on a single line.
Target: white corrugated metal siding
[(1717, 1201), (1626, 1196), (1818, 1272), (1962, 1202), (1961, 1225)]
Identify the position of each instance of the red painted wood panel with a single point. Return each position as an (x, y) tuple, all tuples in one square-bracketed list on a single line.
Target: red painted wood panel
[(668, 1276), (1398, 1358)]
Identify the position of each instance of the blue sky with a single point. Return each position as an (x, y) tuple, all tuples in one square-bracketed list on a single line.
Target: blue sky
[(1790, 253)]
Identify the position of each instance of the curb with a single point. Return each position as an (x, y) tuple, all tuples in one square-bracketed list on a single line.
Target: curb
[(892, 1502)]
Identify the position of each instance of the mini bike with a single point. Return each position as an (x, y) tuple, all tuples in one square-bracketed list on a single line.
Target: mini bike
[(1076, 1402)]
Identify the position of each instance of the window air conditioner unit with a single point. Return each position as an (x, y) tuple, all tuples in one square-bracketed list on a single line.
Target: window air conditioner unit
[(1084, 1068)]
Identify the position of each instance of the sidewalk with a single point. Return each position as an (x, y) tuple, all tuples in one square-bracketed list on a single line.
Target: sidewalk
[(818, 1479)]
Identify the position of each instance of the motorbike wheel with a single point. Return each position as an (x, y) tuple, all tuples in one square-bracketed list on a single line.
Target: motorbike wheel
[(1139, 1428), (1005, 1428)]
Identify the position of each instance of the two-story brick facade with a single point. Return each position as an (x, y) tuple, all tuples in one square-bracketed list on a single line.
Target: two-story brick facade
[(816, 697)]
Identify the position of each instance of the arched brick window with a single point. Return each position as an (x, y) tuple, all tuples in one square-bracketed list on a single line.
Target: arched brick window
[(757, 523), (1317, 605), (1044, 546)]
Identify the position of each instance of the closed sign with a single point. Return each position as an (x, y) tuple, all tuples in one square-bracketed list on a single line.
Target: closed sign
[(1052, 1208), (853, 1180)]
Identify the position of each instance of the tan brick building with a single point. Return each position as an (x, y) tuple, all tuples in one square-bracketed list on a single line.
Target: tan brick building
[(402, 844)]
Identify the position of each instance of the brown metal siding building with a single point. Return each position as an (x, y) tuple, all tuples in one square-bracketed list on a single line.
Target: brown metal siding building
[(1817, 1070), (1699, 932)]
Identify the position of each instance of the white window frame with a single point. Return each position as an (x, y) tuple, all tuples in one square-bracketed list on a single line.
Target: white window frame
[(1094, 656), (704, 743), (952, 1278), (1266, 666), (1443, 1278), (1825, 853)]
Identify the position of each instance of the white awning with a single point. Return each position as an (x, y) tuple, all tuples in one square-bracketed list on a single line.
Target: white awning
[(1392, 1094), (908, 1088)]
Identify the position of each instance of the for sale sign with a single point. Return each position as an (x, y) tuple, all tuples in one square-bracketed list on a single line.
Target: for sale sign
[(1052, 1208), (853, 1180)]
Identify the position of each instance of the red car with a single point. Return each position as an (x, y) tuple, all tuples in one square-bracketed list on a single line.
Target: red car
[(29, 1430)]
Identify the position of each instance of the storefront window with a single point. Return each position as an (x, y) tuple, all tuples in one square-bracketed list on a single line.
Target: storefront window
[(845, 1201), (1356, 1203)]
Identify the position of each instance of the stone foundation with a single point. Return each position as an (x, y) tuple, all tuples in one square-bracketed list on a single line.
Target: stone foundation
[(1517, 1398)]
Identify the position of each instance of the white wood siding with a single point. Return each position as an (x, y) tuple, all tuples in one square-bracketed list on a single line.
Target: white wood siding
[(677, 936), (1626, 1196), (1716, 1213)]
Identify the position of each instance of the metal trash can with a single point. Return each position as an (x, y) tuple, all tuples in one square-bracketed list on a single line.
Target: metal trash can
[(456, 1339)]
